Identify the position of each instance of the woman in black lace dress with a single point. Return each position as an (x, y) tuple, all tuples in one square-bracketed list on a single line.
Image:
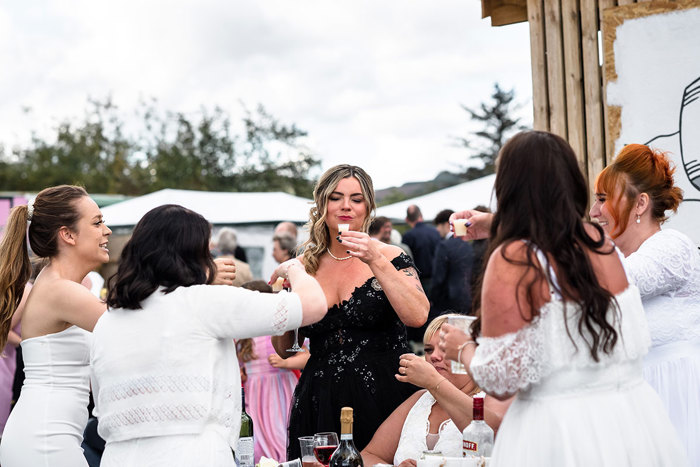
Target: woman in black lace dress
[(375, 292)]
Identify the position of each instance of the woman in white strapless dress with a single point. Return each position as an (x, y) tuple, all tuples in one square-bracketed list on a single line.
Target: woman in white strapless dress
[(65, 226)]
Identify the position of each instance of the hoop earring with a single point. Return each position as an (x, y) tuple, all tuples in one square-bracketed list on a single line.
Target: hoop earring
[(639, 219)]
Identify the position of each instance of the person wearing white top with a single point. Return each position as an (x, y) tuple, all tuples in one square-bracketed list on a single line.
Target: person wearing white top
[(561, 327), (164, 369), (633, 195), (433, 418), (64, 226)]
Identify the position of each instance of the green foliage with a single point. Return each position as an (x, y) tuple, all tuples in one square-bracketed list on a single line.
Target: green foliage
[(499, 125), (168, 150)]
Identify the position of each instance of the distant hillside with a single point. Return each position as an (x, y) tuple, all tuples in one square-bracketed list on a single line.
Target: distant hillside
[(412, 189)]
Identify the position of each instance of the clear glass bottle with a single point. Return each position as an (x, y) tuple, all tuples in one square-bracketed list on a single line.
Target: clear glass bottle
[(347, 454), (477, 437), (245, 449)]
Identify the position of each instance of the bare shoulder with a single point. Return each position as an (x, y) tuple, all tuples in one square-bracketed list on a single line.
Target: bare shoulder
[(390, 251)]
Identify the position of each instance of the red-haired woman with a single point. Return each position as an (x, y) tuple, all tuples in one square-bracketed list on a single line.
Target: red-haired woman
[(633, 195)]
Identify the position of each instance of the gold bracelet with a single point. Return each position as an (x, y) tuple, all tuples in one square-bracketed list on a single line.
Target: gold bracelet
[(437, 386), (461, 347)]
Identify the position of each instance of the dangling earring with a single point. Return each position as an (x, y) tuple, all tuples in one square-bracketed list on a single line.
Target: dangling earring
[(639, 219)]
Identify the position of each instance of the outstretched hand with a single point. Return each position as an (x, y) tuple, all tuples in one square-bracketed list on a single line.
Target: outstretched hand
[(478, 223)]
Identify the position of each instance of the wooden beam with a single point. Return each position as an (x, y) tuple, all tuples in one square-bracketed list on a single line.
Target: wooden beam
[(592, 90), (573, 76), (555, 68), (538, 56)]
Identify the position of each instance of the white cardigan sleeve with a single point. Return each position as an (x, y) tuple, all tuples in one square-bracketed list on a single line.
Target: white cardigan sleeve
[(232, 312)]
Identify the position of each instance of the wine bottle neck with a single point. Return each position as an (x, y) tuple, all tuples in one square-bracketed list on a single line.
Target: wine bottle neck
[(346, 436)]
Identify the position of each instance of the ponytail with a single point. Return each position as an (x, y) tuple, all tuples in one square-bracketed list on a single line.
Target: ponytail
[(15, 268)]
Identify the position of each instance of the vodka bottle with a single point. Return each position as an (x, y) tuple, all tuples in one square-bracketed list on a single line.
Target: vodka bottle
[(477, 438)]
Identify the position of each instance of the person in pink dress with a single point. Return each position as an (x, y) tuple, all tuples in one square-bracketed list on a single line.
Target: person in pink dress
[(8, 361), (269, 387)]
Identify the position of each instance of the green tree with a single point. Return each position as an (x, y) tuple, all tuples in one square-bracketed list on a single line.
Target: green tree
[(498, 125), (164, 150)]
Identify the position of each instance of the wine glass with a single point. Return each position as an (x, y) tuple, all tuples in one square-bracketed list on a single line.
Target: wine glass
[(325, 445), (295, 347)]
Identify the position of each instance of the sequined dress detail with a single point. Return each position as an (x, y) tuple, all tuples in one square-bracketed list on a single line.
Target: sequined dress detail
[(355, 352)]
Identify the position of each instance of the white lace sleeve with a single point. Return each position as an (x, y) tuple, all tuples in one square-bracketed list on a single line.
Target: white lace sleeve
[(226, 311), (505, 364), (663, 263)]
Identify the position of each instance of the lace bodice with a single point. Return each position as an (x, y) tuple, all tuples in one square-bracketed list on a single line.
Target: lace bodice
[(666, 269), (356, 328), (543, 350), (415, 428)]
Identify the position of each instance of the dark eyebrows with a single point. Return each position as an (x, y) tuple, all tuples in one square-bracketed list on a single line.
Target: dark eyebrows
[(343, 194)]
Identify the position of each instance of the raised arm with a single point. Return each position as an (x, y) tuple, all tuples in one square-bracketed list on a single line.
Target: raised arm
[(458, 405), (402, 287)]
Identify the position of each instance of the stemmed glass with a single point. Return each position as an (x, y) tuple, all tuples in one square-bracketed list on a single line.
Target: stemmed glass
[(325, 445), (295, 347)]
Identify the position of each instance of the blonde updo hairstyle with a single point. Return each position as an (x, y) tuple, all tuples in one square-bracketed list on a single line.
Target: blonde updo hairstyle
[(319, 236), (638, 169)]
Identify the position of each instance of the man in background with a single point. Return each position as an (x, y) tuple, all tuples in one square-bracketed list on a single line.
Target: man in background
[(452, 270), (422, 239), (381, 229)]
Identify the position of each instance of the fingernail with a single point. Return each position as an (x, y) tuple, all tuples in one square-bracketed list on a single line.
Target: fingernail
[(347, 251), (341, 241), (468, 224)]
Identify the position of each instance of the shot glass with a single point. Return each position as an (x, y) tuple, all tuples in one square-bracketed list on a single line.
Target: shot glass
[(463, 323), (343, 227), (460, 226)]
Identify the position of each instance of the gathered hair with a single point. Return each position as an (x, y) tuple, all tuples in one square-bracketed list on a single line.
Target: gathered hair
[(542, 199), (53, 208), (319, 237), (246, 347), (638, 169), (169, 248)]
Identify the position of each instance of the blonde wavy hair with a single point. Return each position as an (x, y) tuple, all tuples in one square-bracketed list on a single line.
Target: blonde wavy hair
[(319, 237)]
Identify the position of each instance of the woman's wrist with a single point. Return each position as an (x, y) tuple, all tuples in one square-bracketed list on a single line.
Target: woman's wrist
[(461, 347)]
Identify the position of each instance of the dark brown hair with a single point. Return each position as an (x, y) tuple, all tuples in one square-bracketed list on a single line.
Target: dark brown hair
[(542, 198)]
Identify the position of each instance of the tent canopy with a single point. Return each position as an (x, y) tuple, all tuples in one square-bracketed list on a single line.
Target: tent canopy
[(466, 195), (217, 207)]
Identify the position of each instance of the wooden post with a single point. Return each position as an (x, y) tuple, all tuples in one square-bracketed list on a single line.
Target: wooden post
[(555, 68), (538, 54)]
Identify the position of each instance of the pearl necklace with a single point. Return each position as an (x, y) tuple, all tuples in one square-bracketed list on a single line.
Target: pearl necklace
[(335, 257)]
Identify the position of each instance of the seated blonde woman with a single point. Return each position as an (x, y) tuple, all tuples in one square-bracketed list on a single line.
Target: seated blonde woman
[(433, 418)]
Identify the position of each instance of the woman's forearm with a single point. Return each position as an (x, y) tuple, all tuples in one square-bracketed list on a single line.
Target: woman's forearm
[(404, 291)]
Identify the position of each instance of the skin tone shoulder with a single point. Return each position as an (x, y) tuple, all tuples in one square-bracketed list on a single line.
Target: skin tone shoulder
[(58, 300)]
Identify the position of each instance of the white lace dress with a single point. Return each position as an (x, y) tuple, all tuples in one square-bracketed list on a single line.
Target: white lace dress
[(165, 378), (569, 409), (416, 428), (666, 269)]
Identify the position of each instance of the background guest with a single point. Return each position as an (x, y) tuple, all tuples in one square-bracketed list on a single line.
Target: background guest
[(284, 247), (633, 196), (382, 229), (452, 270), (268, 388), (226, 244), (422, 239)]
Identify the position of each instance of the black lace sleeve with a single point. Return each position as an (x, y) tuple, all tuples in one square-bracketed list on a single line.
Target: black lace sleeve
[(403, 261)]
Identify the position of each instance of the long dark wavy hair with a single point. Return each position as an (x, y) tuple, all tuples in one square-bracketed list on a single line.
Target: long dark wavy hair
[(170, 248), (542, 198)]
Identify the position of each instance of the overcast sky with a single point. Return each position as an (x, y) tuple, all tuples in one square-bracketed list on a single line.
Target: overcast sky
[(375, 83)]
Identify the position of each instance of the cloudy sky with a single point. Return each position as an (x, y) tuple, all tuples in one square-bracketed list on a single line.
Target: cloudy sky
[(375, 83)]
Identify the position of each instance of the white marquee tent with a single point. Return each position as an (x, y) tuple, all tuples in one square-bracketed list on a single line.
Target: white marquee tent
[(466, 195), (253, 215)]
